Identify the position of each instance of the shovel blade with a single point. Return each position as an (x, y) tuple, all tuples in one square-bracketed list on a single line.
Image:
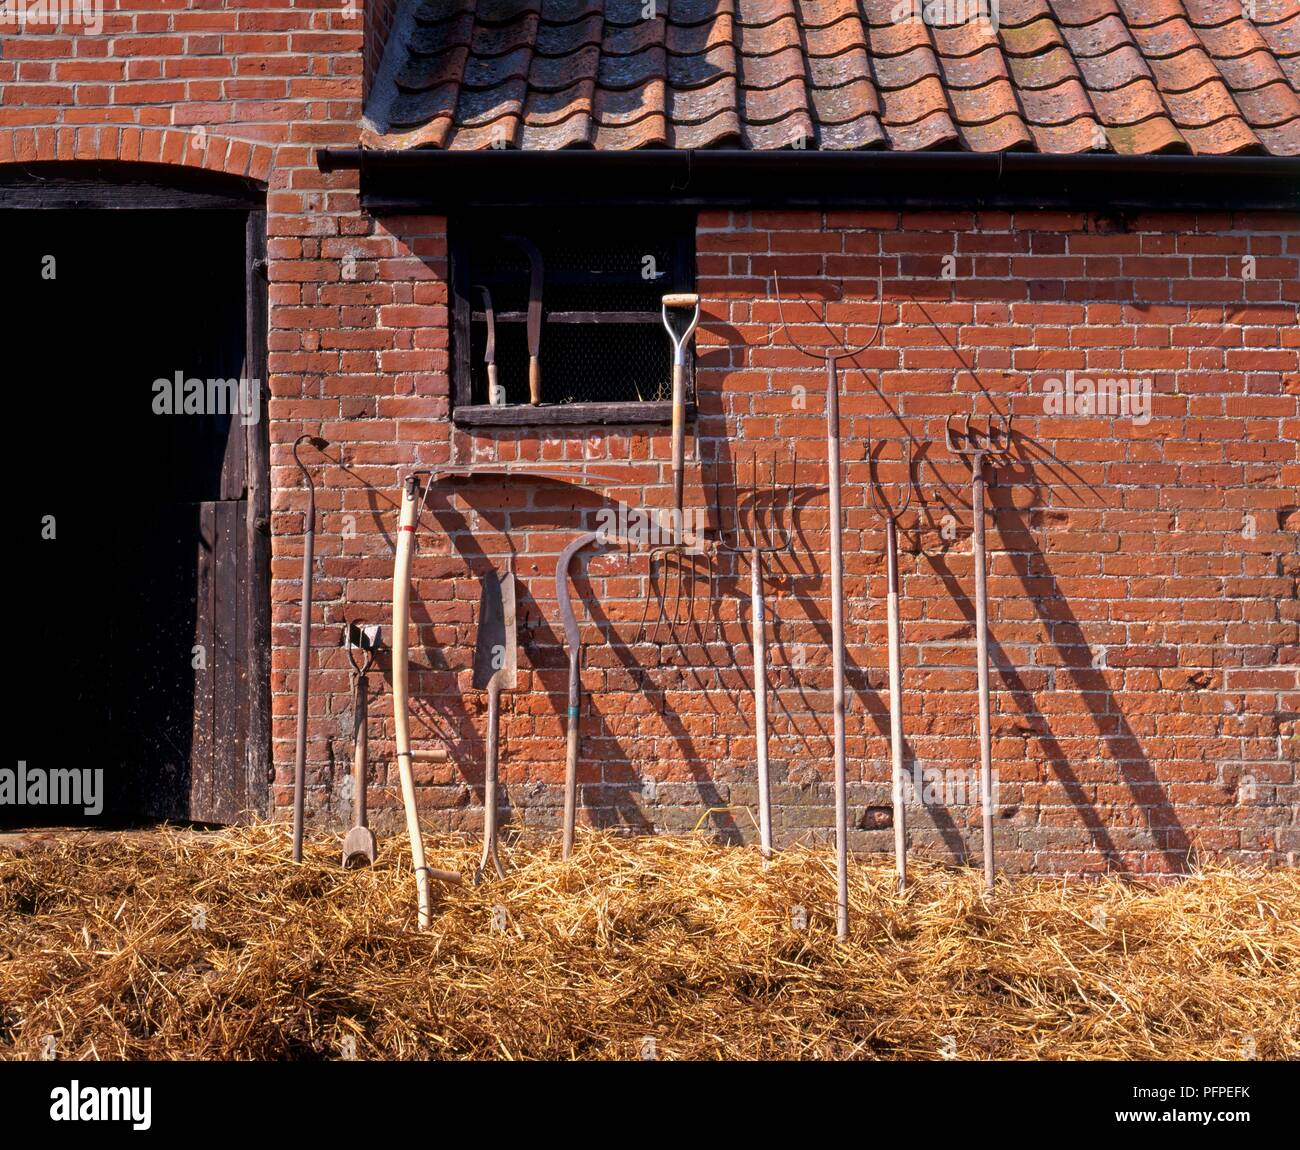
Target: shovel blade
[(495, 657), (359, 847)]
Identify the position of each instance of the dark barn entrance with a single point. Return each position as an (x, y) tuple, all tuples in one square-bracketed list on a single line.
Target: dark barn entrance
[(143, 568)]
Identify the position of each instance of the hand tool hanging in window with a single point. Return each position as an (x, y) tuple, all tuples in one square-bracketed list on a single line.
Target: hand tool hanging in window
[(534, 315), (573, 641), (495, 669), (496, 397), (978, 447), (359, 843), (406, 525), (304, 643), (891, 515)]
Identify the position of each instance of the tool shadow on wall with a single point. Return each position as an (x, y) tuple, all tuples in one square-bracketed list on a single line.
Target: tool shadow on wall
[(1076, 657)]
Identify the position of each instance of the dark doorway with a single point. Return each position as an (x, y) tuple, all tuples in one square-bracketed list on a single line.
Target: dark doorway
[(141, 576)]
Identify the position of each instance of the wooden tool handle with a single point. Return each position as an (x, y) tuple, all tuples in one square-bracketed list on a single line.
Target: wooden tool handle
[(401, 716), (359, 755), (430, 755), (495, 396), (534, 380), (681, 299)]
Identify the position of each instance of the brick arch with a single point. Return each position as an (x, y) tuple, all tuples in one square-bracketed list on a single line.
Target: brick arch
[(133, 144)]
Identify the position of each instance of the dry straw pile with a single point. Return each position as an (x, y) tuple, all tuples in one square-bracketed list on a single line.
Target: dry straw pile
[(181, 945)]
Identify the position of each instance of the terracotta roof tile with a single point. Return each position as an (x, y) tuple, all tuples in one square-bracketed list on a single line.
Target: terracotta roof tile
[(770, 71), (832, 71), (906, 70), (1067, 139), (1067, 76), (976, 70), (1006, 133), (864, 132)]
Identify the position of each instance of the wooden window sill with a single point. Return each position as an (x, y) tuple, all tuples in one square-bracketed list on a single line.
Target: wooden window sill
[(551, 415)]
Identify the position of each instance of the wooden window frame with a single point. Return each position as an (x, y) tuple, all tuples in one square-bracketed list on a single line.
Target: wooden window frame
[(463, 312)]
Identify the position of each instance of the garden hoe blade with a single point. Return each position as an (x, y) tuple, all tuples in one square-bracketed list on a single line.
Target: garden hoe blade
[(495, 669)]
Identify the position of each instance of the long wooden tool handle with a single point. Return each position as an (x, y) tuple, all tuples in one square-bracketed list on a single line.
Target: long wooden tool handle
[(679, 436), (534, 380), (896, 705), (571, 753), (359, 754), (490, 781), (401, 698), (837, 652), (758, 622), (982, 666)]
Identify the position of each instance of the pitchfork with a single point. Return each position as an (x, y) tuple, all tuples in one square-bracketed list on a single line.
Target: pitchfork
[(832, 356), (996, 441), (891, 516), (762, 535)]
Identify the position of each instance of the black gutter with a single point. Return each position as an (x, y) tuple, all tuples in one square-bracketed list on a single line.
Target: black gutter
[(432, 180)]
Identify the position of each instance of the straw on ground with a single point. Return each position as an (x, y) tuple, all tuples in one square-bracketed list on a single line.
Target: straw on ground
[(187, 945)]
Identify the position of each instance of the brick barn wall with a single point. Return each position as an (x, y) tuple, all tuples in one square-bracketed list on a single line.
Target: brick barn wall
[(1142, 575)]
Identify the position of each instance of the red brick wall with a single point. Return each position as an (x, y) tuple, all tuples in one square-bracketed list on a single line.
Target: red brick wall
[(1142, 577)]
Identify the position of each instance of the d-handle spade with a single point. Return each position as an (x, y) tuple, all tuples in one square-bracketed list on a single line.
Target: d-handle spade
[(680, 300), (495, 669), (359, 843)]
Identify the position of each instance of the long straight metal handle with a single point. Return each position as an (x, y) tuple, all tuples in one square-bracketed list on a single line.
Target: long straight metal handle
[(571, 753), (679, 433), (304, 660), (401, 698), (758, 621), (837, 652), (896, 704), (982, 664)]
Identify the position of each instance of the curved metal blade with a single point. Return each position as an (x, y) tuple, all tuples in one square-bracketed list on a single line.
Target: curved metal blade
[(572, 636)]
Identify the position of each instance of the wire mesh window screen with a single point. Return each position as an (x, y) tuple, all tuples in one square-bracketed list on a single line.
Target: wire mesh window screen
[(602, 339)]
